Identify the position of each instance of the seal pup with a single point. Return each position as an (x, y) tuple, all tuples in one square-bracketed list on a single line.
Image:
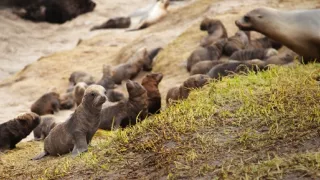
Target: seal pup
[(182, 92), (297, 29), (249, 54), (47, 123), (66, 100), (56, 11), (78, 92), (147, 66), (263, 43), (114, 96), (130, 69), (204, 67), (150, 82), (80, 76), (46, 104), (212, 52), (76, 133), (156, 13), (215, 29), (114, 23), (106, 80), (128, 111), (235, 43), (284, 58), (13, 131), (235, 67)]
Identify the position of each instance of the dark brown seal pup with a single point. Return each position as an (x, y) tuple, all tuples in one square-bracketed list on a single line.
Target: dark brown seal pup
[(13, 131), (78, 92), (215, 29), (47, 123), (130, 69), (182, 92), (76, 133), (114, 23), (234, 67), (127, 111), (150, 82), (204, 67), (212, 52), (80, 76), (46, 104), (235, 43), (298, 29), (249, 54), (56, 11)]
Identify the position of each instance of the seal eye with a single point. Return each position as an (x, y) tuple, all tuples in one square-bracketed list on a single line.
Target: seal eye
[(92, 94), (246, 19)]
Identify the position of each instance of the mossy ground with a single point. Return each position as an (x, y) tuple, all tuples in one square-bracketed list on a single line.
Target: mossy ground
[(253, 126)]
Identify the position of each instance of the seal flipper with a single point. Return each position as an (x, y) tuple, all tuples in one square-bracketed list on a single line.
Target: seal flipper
[(81, 144), (40, 156)]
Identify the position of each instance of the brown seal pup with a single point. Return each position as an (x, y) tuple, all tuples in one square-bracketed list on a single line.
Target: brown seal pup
[(66, 100), (76, 133), (56, 11), (150, 82), (106, 80), (147, 66), (47, 123), (263, 43), (13, 131), (204, 67), (234, 67), (46, 104), (215, 29), (249, 54), (128, 111), (235, 43), (80, 76), (285, 58), (114, 23), (298, 29), (212, 52), (130, 69), (182, 92), (114, 96), (156, 13), (78, 92)]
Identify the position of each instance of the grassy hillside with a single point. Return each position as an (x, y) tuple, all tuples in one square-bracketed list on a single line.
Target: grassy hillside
[(263, 125)]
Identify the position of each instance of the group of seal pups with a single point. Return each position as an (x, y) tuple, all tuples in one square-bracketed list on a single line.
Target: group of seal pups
[(99, 105), (244, 53)]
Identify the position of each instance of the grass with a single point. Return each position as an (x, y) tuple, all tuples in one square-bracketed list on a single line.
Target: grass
[(255, 126)]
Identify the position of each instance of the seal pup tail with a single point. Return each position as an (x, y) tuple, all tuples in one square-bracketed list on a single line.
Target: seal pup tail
[(40, 156)]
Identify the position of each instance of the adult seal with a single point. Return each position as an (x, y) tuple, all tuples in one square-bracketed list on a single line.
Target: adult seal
[(76, 133), (298, 29)]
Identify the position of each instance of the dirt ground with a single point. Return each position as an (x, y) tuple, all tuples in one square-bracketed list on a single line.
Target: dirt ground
[(38, 56)]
